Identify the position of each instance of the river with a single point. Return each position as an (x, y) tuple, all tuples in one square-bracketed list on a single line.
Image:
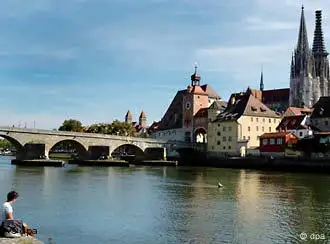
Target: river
[(168, 205)]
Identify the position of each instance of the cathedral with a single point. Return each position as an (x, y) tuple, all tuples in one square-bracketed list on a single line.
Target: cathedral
[(309, 79)]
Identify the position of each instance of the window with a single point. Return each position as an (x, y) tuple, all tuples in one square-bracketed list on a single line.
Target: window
[(219, 134), (263, 120), (218, 125), (258, 138), (229, 138), (274, 121), (270, 121), (326, 122), (218, 142), (257, 128), (279, 141), (224, 148), (272, 141), (249, 137), (264, 141), (257, 119), (224, 128), (300, 134), (270, 129), (229, 147), (224, 138), (263, 129), (251, 119), (249, 129), (243, 137), (229, 128), (212, 147)]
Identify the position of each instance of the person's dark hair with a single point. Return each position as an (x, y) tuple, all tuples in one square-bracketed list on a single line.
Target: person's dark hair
[(12, 195)]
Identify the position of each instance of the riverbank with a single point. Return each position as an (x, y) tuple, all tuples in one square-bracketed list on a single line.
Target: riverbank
[(22, 240), (275, 164), (199, 159)]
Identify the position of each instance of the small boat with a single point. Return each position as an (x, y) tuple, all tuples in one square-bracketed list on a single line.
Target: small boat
[(220, 185)]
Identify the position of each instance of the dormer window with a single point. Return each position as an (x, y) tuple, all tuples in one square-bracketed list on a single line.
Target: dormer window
[(262, 109), (253, 108), (321, 111)]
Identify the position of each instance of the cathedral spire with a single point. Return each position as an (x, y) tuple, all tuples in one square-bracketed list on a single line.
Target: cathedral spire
[(302, 44), (262, 80), (318, 43)]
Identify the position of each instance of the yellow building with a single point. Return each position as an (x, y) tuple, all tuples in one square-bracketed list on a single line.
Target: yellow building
[(241, 124)]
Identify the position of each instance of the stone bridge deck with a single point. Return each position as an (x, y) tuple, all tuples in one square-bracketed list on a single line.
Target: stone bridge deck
[(84, 143)]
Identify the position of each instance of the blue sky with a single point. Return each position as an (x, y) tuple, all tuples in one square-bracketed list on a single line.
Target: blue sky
[(92, 60)]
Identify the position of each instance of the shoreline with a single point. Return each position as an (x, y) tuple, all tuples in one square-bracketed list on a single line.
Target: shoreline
[(281, 164)]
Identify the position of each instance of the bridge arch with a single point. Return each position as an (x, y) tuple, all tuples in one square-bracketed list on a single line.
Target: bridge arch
[(20, 150), (200, 135), (72, 146), (127, 150)]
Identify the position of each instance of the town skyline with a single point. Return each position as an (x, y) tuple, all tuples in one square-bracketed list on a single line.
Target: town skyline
[(126, 59)]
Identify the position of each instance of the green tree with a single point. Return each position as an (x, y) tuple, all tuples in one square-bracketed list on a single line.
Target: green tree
[(71, 125), (122, 129), (115, 128), (5, 144)]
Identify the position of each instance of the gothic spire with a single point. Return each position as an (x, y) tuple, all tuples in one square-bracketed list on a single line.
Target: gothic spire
[(292, 65), (302, 44), (318, 43), (262, 80)]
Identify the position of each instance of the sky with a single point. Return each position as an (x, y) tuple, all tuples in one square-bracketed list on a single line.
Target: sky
[(92, 60)]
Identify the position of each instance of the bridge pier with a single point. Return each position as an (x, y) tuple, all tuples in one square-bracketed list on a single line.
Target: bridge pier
[(35, 151)]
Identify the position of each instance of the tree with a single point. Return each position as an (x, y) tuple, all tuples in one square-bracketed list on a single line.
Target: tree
[(5, 144), (115, 128), (71, 125), (122, 128)]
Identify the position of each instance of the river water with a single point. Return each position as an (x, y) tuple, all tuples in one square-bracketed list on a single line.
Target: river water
[(168, 205)]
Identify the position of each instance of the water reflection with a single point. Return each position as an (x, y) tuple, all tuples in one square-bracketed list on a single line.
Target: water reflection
[(168, 205)]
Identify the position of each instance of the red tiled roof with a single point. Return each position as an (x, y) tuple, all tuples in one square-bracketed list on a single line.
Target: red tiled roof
[(245, 104), (299, 111), (275, 134), (198, 90), (210, 92), (292, 123)]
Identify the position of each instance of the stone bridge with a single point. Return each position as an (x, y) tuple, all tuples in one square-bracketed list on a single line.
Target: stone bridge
[(22, 139)]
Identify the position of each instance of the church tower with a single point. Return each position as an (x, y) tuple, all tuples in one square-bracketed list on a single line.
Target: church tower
[(309, 79), (143, 119), (301, 78), (320, 58), (128, 117)]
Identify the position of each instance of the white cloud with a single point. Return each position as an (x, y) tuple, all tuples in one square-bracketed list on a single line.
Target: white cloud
[(257, 24)]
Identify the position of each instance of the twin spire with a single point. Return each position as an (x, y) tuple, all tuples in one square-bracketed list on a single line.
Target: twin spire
[(318, 42), (302, 45)]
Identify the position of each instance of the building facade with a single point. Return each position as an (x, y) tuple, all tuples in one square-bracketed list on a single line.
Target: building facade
[(320, 118), (298, 125), (186, 119), (275, 144), (309, 79), (241, 124)]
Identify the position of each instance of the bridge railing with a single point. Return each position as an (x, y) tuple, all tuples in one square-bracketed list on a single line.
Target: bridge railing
[(78, 134)]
